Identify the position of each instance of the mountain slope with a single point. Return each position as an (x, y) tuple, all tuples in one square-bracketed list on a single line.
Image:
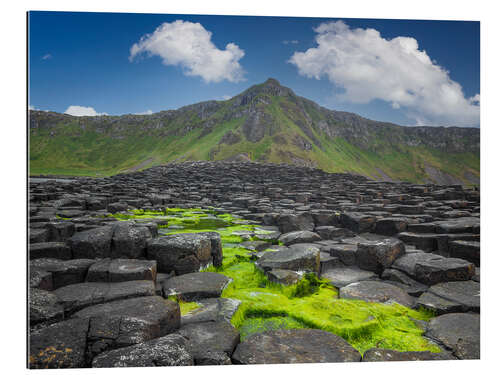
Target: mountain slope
[(268, 123)]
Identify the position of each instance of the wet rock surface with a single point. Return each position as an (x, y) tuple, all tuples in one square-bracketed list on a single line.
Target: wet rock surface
[(99, 286)]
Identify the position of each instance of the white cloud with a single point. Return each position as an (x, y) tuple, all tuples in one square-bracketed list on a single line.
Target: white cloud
[(32, 107), (189, 45), (148, 112), (76, 110), (370, 67), (290, 42), (226, 97), (46, 56)]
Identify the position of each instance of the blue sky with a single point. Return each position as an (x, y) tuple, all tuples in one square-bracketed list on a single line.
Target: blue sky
[(401, 71)]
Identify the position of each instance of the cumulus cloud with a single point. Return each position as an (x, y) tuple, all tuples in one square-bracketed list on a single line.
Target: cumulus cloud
[(369, 67), (148, 112), (46, 56), (76, 110), (189, 45)]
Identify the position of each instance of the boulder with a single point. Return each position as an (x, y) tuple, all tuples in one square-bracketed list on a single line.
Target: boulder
[(454, 296), (357, 222), (216, 247), (295, 258), (294, 346), (343, 276), (302, 236), (60, 345), (129, 240), (93, 243), (118, 270), (459, 332), (378, 255), (376, 291), (181, 253), (196, 285), (170, 350), (345, 252), (295, 222)]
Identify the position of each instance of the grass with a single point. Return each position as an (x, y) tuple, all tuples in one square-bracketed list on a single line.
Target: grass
[(311, 303)]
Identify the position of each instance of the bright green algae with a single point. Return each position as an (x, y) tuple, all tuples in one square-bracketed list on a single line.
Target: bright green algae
[(312, 303)]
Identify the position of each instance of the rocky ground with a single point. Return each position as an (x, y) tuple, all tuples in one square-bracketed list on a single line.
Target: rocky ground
[(101, 287)]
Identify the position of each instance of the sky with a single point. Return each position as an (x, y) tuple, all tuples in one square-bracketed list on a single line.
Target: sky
[(403, 71)]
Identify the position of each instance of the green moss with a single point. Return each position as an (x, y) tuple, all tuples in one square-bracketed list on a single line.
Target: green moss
[(185, 307)]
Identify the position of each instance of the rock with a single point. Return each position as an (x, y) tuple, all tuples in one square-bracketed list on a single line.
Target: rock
[(57, 250), (158, 316), (458, 296), (44, 307), (210, 337), (332, 232), (390, 226), (118, 270), (302, 236), (468, 250), (255, 245), (196, 285), (294, 346), (93, 243), (412, 287), (41, 279), (170, 350), (64, 272), (295, 258), (60, 345), (117, 207), (345, 252), (385, 355), (216, 247), (38, 235), (129, 240), (423, 241), (343, 276), (327, 262), (460, 225), (458, 332), (60, 231), (77, 296), (291, 222), (378, 255), (357, 222), (376, 291), (284, 277), (212, 309), (182, 253)]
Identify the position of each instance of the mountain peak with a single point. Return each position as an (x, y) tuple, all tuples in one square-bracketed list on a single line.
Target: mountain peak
[(272, 82)]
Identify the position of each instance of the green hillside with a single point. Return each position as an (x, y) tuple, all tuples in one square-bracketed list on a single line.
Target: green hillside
[(266, 123)]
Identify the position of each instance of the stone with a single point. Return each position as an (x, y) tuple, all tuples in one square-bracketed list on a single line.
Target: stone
[(60, 345), (292, 222), (295, 258), (412, 287), (294, 346), (391, 226), (327, 262), (170, 350), (118, 270), (129, 240), (77, 296), (60, 231), (117, 207), (345, 252), (64, 272), (38, 235), (454, 296), (376, 291), (468, 250), (357, 221), (41, 279), (302, 236), (378, 255), (93, 243), (216, 247), (386, 355), (255, 245), (57, 250), (196, 285), (459, 332), (343, 276), (210, 337), (158, 316), (181, 253), (44, 307), (212, 309), (284, 277)]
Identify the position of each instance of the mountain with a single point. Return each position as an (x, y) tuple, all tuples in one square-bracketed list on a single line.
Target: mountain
[(266, 123)]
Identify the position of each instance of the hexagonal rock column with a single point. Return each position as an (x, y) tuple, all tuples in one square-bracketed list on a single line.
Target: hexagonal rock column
[(376, 291), (118, 270), (300, 257), (378, 255), (181, 253), (294, 346), (196, 285)]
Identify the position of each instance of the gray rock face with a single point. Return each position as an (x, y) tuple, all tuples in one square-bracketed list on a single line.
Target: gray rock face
[(454, 296), (291, 222), (343, 276), (458, 332), (63, 272), (302, 236), (332, 232), (294, 346), (212, 310), (210, 337), (118, 270), (181, 253), (297, 258), (44, 307), (196, 285), (57, 250), (129, 240), (376, 291), (60, 345), (93, 243), (384, 355), (216, 247), (412, 287), (284, 277), (468, 250), (357, 222), (345, 252), (390, 226), (170, 350), (77, 296), (378, 255)]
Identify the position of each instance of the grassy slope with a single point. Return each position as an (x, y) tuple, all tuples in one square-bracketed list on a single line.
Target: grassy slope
[(73, 152)]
